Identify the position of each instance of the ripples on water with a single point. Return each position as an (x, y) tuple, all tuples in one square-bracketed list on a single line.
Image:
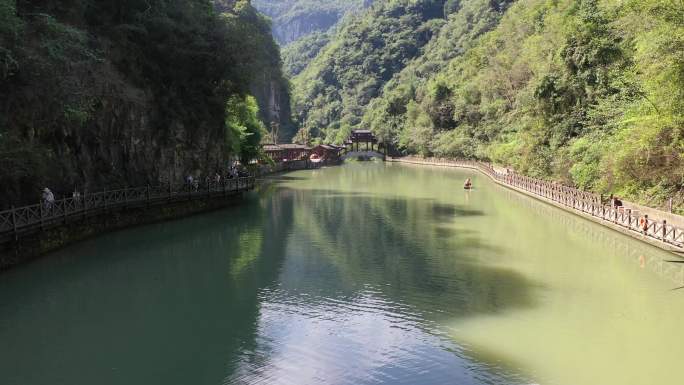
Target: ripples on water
[(364, 339), (362, 274)]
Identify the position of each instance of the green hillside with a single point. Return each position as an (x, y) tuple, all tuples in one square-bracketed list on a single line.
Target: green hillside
[(333, 91), (586, 92), (298, 55)]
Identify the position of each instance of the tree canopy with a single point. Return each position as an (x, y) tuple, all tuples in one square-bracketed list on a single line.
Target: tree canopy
[(85, 81), (587, 92)]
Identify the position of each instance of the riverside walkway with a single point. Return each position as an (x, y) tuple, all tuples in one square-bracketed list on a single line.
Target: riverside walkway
[(21, 221), (652, 230)]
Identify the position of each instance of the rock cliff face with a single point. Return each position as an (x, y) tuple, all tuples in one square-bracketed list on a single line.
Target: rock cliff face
[(124, 139), (273, 95), (269, 87), (92, 100), (293, 19), (304, 24)]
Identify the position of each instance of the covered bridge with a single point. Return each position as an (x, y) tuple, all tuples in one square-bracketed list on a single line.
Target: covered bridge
[(287, 152)]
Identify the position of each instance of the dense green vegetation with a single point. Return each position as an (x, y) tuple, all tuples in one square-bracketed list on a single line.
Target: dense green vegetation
[(244, 127), (332, 92), (303, 27), (386, 115), (96, 93), (297, 55), (588, 92)]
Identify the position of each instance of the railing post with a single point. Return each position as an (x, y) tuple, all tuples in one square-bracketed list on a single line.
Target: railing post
[(629, 218), (664, 232), (14, 223), (674, 235)]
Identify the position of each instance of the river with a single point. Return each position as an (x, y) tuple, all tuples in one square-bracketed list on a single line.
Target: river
[(368, 273)]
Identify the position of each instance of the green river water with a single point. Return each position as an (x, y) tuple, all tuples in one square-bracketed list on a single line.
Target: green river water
[(368, 273)]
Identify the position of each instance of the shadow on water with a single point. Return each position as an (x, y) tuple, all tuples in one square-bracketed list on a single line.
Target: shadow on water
[(188, 301), (284, 178), (172, 303), (443, 212), (445, 232), (406, 247), (366, 284)]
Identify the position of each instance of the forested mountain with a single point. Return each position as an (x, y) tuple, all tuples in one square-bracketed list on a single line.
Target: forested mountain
[(332, 93), (269, 85), (303, 27), (298, 55), (116, 93), (293, 19), (98, 93), (588, 92)]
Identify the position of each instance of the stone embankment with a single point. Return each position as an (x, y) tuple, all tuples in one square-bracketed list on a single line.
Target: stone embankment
[(29, 231)]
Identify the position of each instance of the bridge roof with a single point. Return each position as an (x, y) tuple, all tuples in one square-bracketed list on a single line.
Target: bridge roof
[(285, 146), (328, 147), (361, 136), (294, 146), (271, 147)]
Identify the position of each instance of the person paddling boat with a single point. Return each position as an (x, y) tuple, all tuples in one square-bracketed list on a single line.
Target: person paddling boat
[(468, 184)]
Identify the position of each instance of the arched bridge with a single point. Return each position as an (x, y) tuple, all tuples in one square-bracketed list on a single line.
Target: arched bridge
[(363, 155)]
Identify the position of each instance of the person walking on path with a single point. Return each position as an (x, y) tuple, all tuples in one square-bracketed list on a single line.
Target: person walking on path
[(48, 198), (76, 195), (617, 203), (643, 224)]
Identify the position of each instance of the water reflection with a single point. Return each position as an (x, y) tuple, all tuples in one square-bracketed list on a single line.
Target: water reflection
[(366, 281), (363, 274), (666, 265), (361, 340), (173, 303)]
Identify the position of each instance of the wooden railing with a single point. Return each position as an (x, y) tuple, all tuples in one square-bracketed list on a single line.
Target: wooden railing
[(577, 200), (22, 220)]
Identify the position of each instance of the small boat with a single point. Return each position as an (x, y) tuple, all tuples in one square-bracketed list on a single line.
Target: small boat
[(468, 185)]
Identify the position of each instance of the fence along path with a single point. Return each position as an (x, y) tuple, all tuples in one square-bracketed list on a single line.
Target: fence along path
[(577, 200), (21, 220)]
